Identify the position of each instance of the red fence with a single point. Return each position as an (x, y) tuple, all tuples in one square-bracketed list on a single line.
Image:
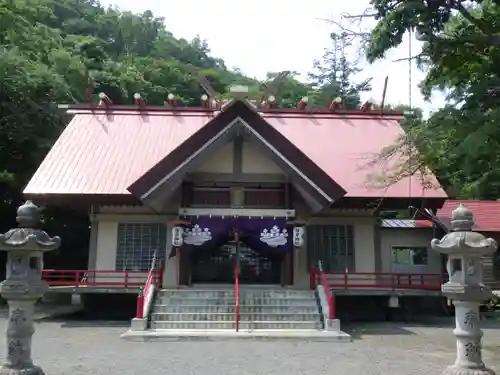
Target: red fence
[(97, 278), (380, 280)]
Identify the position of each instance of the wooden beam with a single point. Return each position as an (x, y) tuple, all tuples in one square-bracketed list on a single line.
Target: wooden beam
[(244, 212), (238, 155), (237, 178)]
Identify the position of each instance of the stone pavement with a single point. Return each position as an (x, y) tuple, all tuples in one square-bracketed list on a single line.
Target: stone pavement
[(75, 347)]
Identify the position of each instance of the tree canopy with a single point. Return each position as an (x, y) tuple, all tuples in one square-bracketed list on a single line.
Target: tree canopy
[(461, 57)]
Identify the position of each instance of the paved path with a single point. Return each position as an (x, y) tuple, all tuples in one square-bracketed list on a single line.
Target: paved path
[(83, 347)]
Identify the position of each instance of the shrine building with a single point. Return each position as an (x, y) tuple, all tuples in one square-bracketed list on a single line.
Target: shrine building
[(278, 191)]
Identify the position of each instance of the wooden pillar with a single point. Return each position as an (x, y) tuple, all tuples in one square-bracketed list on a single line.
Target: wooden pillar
[(287, 269), (184, 267)]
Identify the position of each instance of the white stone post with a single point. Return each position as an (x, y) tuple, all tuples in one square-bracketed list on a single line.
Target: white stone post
[(23, 286), (466, 289)]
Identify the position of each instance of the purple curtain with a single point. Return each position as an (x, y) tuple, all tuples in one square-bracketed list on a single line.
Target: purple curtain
[(270, 237), (207, 234)]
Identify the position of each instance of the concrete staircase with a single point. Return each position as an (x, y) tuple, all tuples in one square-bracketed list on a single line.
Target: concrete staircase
[(261, 308)]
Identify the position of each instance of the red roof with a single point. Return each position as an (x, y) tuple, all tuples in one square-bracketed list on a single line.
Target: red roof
[(343, 146), (486, 213), (100, 154), (104, 153)]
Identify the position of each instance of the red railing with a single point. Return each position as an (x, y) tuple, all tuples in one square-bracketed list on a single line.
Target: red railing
[(379, 280), (155, 279), (96, 278), (330, 298)]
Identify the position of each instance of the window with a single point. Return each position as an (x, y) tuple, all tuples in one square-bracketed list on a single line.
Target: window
[(333, 245), (409, 255), (137, 243), (269, 198)]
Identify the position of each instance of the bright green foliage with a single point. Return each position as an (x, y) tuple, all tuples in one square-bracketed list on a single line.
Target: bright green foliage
[(461, 55)]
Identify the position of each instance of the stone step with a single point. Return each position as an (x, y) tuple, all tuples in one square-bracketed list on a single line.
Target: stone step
[(304, 309), (276, 317), (251, 293), (232, 325), (182, 300)]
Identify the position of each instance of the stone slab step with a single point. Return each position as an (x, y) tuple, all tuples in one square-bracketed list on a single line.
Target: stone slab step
[(272, 317), (242, 293), (159, 335), (177, 300), (192, 324), (232, 325), (305, 309)]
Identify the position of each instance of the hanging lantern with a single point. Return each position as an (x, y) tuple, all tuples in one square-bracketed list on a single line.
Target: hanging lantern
[(177, 236), (298, 236)]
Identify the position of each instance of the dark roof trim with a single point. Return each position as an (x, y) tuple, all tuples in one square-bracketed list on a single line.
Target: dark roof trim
[(79, 200), (221, 123)]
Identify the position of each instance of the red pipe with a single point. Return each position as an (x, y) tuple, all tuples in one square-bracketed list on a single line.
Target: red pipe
[(139, 313), (237, 284), (237, 294), (312, 278), (332, 306), (162, 271)]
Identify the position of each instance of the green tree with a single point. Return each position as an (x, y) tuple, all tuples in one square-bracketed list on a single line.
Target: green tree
[(334, 75), (461, 56)]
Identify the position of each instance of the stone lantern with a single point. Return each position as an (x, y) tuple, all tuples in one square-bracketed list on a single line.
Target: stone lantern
[(465, 288), (23, 286)]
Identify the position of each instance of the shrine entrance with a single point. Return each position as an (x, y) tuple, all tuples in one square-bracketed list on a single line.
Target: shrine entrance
[(212, 248), (219, 266)]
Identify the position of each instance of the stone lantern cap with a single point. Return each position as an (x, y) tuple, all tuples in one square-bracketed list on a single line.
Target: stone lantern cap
[(27, 236), (462, 240)]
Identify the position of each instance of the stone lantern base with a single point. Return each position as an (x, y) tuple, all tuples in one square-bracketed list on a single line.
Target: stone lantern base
[(455, 370), (33, 370)]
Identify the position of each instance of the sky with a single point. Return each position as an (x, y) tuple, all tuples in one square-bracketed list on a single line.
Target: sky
[(261, 36)]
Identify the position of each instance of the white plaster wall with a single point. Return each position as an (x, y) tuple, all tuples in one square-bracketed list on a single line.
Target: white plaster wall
[(408, 237), (171, 274), (364, 248), (220, 162), (254, 161), (106, 252), (107, 240)]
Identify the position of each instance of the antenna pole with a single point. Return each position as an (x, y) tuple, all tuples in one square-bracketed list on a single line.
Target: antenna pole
[(382, 104)]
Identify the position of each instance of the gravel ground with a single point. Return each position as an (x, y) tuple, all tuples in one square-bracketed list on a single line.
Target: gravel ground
[(77, 347)]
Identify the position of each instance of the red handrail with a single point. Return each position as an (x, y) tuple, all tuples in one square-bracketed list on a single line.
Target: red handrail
[(139, 312), (153, 278), (237, 295), (330, 299), (144, 292)]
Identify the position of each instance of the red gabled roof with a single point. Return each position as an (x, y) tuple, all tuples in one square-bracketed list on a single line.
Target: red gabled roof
[(486, 213), (102, 153), (260, 129), (343, 146)]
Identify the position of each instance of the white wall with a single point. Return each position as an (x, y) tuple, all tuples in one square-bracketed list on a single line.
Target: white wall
[(220, 162), (364, 247), (107, 238), (254, 161), (409, 237)]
